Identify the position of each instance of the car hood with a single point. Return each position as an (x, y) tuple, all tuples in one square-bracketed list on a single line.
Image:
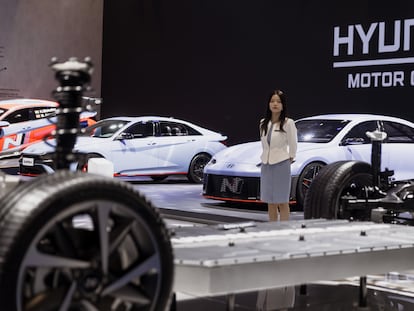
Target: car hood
[(249, 153), (49, 145)]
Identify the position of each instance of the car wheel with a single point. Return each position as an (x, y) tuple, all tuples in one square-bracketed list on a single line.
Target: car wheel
[(338, 179), (158, 177), (196, 169), (305, 179), (83, 161), (74, 241)]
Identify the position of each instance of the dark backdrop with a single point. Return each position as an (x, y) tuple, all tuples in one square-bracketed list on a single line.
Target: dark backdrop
[(214, 62)]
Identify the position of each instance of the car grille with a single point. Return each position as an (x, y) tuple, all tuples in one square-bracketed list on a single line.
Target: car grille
[(31, 170), (232, 187), (38, 167)]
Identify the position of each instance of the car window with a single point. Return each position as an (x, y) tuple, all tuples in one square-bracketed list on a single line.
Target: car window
[(141, 129), (104, 129), (2, 112), (189, 130), (319, 130), (398, 133), (18, 116), (176, 129), (165, 129), (357, 134), (41, 112)]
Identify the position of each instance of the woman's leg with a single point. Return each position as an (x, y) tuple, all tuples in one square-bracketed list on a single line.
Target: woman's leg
[(273, 211), (284, 211)]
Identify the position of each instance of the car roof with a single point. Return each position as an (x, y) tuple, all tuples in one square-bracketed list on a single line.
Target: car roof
[(25, 102), (146, 118), (199, 128), (354, 117)]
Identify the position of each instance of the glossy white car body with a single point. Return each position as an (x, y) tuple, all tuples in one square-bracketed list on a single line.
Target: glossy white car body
[(238, 166), (137, 146)]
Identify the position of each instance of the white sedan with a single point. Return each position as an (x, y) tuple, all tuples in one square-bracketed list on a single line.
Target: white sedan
[(234, 174), (137, 146)]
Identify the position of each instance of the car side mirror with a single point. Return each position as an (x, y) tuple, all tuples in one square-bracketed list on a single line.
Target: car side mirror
[(125, 135), (4, 123), (353, 141)]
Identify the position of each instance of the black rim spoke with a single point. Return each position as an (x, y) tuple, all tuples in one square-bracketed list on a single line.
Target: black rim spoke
[(68, 298), (103, 221), (151, 264), (132, 295), (119, 235), (114, 260)]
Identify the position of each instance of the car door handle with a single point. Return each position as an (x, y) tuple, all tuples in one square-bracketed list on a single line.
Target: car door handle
[(151, 143)]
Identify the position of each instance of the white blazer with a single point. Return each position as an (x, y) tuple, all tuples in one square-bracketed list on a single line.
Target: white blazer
[(283, 144)]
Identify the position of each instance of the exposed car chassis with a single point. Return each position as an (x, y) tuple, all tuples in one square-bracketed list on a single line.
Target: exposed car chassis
[(358, 191), (77, 241)]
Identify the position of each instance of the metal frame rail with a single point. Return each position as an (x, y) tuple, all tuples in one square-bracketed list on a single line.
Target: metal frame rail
[(236, 258)]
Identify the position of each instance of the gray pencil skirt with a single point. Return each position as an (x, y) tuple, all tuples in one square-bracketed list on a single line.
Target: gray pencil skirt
[(275, 182)]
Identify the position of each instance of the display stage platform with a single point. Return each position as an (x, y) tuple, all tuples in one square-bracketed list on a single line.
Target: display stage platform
[(235, 258)]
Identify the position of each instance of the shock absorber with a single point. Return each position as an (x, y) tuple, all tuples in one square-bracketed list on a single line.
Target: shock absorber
[(377, 138), (73, 77)]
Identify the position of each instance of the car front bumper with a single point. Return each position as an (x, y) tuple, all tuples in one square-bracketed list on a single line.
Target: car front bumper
[(35, 165), (237, 188)]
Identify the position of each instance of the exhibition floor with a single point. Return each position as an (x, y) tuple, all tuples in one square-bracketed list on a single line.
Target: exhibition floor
[(183, 205)]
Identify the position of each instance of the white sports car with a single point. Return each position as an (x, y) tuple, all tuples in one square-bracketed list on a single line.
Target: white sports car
[(234, 174), (137, 146)]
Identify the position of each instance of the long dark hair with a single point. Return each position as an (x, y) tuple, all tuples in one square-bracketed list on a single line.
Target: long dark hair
[(268, 115)]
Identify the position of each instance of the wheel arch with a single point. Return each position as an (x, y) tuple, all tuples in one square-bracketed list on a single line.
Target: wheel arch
[(191, 176), (296, 192), (199, 153), (84, 158)]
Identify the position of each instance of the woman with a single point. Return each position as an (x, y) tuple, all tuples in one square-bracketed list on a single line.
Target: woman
[(279, 141)]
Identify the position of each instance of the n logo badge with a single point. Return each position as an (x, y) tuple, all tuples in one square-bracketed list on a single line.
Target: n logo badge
[(14, 140), (234, 185)]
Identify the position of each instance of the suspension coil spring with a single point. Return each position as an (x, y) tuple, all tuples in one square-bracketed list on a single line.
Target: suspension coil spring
[(73, 77)]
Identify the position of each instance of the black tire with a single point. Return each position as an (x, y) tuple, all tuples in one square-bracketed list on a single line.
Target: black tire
[(196, 169), (51, 255), (333, 181), (83, 161), (305, 179)]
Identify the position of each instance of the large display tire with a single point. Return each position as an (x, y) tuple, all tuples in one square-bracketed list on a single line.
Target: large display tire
[(333, 181), (305, 179), (75, 241), (196, 169)]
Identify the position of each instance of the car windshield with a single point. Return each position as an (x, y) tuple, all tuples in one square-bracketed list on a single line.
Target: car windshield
[(104, 129), (319, 130), (2, 111)]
